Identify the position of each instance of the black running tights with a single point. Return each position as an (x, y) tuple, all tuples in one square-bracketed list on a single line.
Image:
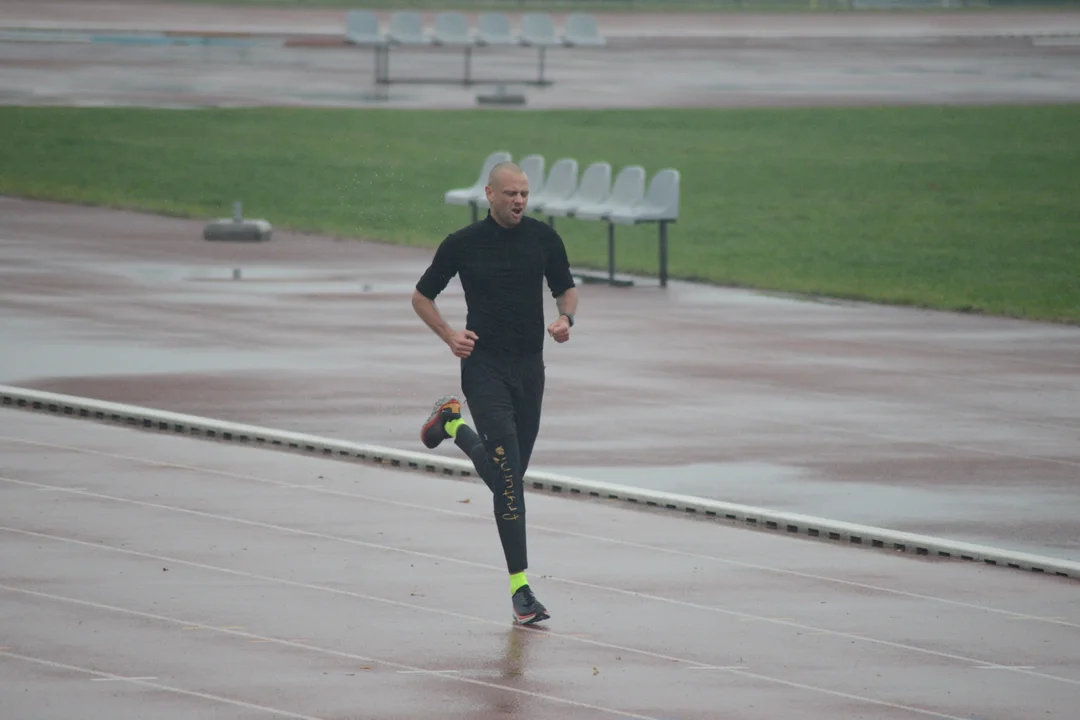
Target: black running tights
[(504, 396)]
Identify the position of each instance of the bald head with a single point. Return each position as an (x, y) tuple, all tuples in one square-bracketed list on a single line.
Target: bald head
[(502, 171), (507, 193)]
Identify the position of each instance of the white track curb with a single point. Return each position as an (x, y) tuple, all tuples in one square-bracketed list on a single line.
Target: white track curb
[(790, 523)]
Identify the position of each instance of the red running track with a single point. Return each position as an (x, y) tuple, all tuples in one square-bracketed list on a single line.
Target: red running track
[(154, 576)]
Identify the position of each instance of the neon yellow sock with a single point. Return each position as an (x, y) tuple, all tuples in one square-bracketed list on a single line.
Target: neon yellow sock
[(452, 427), (517, 580)]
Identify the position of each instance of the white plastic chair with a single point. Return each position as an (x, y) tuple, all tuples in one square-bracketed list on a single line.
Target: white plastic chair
[(560, 184), (533, 167), (474, 196), (581, 31), (538, 30), (595, 187), (362, 29), (660, 205), (451, 28), (494, 29), (627, 190), (407, 28)]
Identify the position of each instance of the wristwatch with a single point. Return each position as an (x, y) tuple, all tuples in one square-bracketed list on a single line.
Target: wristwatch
[(569, 317)]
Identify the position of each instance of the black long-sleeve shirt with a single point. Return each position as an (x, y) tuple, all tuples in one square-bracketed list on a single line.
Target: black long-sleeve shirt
[(502, 271)]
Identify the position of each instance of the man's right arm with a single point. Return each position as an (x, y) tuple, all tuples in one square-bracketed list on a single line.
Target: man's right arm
[(461, 342), (434, 281), (425, 307)]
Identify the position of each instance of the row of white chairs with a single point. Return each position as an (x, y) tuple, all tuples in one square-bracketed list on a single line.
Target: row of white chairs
[(452, 29), (595, 195)]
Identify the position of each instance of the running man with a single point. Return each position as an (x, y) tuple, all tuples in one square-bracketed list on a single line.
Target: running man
[(502, 262)]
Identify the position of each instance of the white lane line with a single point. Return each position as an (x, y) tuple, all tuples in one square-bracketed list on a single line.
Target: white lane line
[(321, 650), (553, 578), (814, 629), (428, 672), (147, 682), (1010, 614), (471, 619), (462, 678)]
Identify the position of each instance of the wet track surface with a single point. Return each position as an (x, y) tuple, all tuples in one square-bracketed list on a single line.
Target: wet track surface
[(295, 22), (772, 73), (950, 425), (297, 58), (149, 575)]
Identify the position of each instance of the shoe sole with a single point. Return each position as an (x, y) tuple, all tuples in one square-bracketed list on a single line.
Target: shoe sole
[(531, 619), (439, 405)]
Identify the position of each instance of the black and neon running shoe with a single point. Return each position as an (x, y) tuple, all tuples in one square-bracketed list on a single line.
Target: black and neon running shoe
[(527, 609), (446, 408)]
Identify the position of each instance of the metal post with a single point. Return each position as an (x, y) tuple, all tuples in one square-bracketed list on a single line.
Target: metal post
[(663, 253), (385, 79), (541, 78), (611, 251)]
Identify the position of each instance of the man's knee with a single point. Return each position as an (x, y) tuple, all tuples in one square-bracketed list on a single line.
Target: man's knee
[(493, 427), (492, 416), (489, 399)]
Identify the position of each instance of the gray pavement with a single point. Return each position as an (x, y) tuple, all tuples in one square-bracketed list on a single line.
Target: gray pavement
[(297, 58), (294, 22), (146, 575), (776, 73), (958, 426), (782, 73)]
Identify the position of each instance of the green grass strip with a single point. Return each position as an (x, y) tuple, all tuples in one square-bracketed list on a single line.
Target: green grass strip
[(957, 208)]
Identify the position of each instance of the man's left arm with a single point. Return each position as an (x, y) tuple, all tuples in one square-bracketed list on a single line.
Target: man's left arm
[(562, 286), (567, 302)]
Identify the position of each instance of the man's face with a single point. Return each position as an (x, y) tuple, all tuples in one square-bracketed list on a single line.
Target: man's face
[(508, 195)]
